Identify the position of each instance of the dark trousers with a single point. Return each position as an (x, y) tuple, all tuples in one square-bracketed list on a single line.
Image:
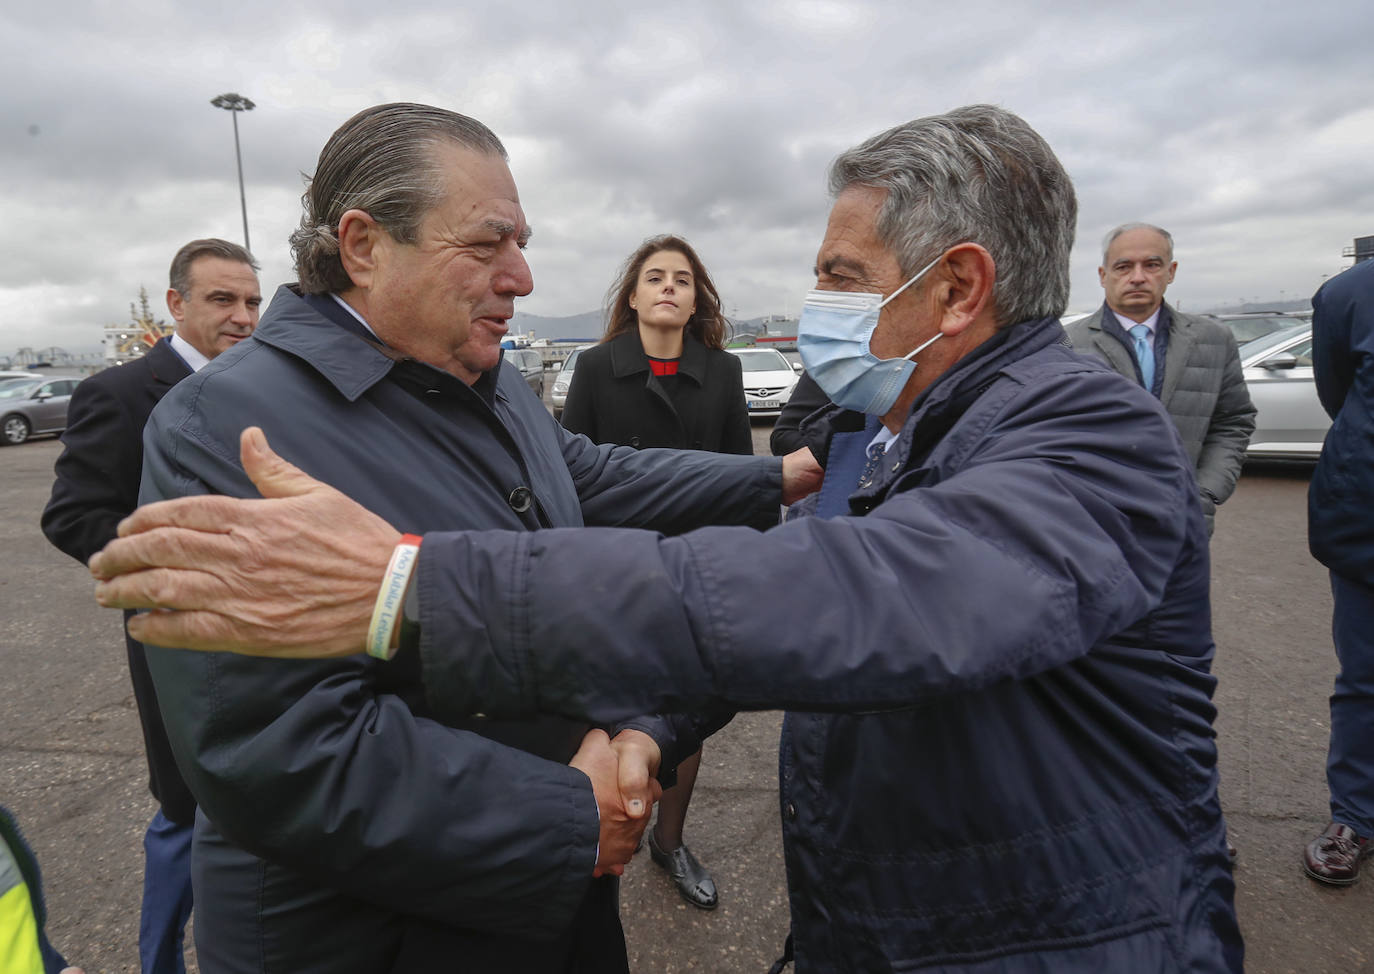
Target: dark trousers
[(1350, 760), (166, 896)]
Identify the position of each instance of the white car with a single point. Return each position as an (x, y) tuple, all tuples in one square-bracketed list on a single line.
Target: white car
[(768, 379)]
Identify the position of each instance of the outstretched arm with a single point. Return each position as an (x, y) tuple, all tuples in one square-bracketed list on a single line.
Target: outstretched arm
[(292, 575), (1068, 553)]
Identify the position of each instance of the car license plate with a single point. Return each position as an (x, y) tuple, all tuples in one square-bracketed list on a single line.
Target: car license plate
[(765, 404)]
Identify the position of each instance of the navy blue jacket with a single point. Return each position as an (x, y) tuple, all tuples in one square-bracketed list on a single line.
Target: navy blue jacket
[(999, 755), (345, 823), (1340, 530)]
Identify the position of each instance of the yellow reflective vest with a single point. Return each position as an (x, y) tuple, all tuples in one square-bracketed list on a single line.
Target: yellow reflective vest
[(22, 946)]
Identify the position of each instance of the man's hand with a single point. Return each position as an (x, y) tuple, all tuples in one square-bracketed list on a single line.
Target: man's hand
[(625, 789), (801, 475), (295, 574)]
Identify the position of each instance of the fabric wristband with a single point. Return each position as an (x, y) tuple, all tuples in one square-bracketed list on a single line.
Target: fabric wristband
[(390, 598)]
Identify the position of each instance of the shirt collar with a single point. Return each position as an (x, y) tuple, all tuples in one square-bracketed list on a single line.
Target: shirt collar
[(1127, 324), (884, 439), (354, 312), (191, 355)]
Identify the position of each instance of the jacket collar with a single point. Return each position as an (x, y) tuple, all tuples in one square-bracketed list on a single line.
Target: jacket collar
[(315, 329), (167, 366), (952, 393), (1105, 321), (628, 356), (967, 377)]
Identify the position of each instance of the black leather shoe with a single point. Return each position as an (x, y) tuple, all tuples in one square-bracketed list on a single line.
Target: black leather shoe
[(1334, 856), (689, 876)]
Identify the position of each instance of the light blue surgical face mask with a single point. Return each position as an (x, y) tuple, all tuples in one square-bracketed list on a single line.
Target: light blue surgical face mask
[(834, 336)]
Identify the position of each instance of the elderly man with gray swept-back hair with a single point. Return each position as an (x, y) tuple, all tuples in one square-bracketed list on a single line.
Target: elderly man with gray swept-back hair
[(1190, 364), (999, 754), (345, 826)]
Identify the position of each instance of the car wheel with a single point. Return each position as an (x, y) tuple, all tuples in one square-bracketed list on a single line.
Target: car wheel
[(14, 430)]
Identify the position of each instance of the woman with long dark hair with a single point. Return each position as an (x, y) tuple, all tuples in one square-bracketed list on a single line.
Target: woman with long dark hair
[(661, 378)]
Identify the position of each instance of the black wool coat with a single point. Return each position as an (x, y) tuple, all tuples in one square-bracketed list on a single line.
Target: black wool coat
[(615, 398), (97, 484)]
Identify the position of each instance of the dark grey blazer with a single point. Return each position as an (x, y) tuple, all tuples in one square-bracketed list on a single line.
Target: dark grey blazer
[(1203, 391)]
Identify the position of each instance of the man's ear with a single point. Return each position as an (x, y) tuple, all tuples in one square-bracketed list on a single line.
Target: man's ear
[(359, 239), (176, 305), (968, 275)]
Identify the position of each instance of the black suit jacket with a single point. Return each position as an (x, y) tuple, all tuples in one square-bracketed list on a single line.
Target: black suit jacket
[(97, 484)]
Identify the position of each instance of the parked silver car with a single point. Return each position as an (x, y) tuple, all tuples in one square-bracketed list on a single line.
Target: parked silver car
[(1249, 325), (1290, 424), (559, 396), (531, 366), (33, 405)]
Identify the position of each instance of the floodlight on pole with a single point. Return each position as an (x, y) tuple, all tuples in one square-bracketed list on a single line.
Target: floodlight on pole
[(234, 102)]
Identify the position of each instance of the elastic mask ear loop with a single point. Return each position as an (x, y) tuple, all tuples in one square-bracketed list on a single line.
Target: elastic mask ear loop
[(919, 274), (923, 345)]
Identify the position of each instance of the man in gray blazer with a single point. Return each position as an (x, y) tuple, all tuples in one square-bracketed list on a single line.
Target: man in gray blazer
[(1191, 364)]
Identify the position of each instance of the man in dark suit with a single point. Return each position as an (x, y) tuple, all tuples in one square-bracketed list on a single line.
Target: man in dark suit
[(1190, 364), (214, 298)]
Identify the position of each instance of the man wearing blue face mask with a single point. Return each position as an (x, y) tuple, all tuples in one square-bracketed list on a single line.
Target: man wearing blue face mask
[(998, 754)]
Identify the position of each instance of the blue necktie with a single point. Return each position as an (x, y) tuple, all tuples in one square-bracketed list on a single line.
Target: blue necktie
[(876, 452), (1145, 356)]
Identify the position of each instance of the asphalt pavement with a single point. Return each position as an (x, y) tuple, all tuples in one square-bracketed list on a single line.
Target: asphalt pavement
[(71, 762)]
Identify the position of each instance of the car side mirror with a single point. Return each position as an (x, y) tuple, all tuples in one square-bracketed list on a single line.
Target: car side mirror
[(1280, 362), (40, 396), (797, 367)]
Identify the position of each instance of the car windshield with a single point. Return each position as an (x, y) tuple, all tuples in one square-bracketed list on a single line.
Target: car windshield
[(763, 360), (16, 388), (1264, 343), (572, 358), (1249, 329)]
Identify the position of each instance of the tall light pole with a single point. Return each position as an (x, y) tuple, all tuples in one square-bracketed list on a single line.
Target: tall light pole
[(234, 102)]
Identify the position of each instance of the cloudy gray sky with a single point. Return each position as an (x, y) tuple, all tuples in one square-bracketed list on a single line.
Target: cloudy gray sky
[(1245, 128)]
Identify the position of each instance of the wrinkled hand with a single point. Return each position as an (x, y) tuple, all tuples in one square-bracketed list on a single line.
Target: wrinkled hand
[(801, 475), (622, 776), (295, 574)]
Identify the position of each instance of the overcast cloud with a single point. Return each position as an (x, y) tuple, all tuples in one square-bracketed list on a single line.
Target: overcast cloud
[(1247, 129)]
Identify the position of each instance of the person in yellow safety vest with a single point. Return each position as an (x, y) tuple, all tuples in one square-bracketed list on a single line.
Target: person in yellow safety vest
[(24, 949)]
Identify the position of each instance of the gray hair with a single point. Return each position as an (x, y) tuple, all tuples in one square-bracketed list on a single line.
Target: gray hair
[(380, 161), (179, 276), (1115, 232), (977, 174)]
